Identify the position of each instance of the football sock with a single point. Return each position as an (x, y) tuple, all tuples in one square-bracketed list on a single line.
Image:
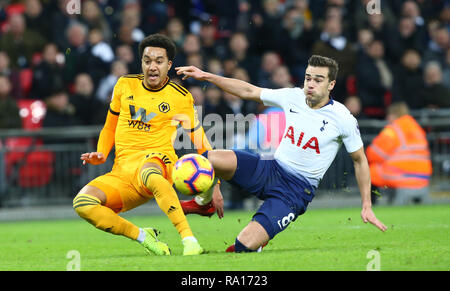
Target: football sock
[(102, 217), (141, 236), (205, 197), (239, 247), (167, 199)]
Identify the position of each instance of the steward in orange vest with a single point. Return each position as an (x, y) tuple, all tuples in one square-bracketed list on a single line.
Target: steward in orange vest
[(399, 156)]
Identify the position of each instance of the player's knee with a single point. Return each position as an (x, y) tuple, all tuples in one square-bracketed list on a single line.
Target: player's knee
[(82, 203), (224, 163), (150, 176)]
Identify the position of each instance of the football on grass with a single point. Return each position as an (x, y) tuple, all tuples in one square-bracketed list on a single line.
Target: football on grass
[(193, 174)]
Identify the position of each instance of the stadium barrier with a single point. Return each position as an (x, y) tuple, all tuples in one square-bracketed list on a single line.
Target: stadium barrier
[(43, 167)]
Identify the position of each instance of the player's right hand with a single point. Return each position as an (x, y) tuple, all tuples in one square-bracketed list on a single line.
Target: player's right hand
[(190, 71), (94, 158)]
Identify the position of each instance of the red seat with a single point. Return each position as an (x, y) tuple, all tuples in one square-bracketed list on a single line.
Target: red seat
[(26, 80), (35, 167), (32, 113)]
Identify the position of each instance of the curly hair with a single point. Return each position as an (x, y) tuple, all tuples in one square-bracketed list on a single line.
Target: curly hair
[(158, 40)]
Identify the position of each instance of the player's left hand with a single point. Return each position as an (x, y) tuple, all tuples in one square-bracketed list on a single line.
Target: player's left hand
[(94, 158), (367, 215), (217, 200)]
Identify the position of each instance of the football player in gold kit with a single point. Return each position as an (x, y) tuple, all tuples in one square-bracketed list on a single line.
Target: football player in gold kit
[(144, 113)]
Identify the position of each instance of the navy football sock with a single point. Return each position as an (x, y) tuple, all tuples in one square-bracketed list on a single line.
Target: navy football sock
[(205, 154), (239, 247)]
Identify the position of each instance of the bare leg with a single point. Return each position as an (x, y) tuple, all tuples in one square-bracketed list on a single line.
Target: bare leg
[(253, 235), (224, 163)]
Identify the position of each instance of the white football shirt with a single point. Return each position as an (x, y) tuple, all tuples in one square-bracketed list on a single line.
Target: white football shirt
[(312, 137)]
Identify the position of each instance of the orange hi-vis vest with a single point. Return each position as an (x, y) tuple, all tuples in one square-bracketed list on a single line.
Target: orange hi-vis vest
[(399, 157)]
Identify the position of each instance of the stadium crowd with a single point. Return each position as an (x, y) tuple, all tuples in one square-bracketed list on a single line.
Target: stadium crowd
[(72, 61)]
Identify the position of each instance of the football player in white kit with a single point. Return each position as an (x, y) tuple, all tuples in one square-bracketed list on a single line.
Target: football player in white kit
[(316, 127)]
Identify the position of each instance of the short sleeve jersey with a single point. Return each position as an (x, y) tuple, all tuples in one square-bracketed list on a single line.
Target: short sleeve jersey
[(148, 119), (312, 137)]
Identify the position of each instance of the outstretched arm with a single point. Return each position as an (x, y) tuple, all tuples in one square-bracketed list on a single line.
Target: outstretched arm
[(236, 87), (362, 173)]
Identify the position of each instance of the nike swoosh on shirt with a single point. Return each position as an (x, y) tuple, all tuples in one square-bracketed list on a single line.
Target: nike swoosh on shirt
[(292, 111)]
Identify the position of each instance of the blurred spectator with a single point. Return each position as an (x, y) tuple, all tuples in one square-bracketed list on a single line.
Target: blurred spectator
[(337, 9), (411, 9), (435, 94), (212, 45), (213, 98), (374, 79), (87, 108), (240, 53), (197, 60), (155, 13), (297, 37), (131, 19), (408, 80), (215, 66), (106, 86), (444, 16), (191, 45), (399, 156), (361, 17), (9, 112), (13, 74), (226, 13), (364, 39), (269, 62), (48, 72), (60, 112), (100, 56), (243, 19), (37, 18), (409, 36), (77, 54), (438, 46), (384, 31), (353, 104), (126, 54), (176, 32), (281, 78), (198, 94), (125, 37), (335, 45), (60, 22), (20, 43), (93, 18), (267, 27)]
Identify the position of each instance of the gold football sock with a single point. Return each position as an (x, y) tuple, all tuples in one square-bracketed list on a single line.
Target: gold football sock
[(167, 199), (102, 217)]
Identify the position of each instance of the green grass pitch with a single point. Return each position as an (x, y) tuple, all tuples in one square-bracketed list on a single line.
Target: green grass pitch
[(322, 239)]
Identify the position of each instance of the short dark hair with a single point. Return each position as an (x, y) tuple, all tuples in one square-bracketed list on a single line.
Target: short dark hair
[(321, 61), (158, 40)]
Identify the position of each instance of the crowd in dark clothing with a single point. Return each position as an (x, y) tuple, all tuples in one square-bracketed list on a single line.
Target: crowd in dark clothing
[(400, 52)]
